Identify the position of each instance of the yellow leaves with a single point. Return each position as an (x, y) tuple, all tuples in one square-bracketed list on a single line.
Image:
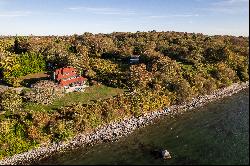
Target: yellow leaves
[(103, 66), (9, 64), (5, 126), (8, 60), (139, 76)]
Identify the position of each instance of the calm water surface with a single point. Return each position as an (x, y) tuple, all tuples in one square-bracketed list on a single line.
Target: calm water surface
[(216, 134)]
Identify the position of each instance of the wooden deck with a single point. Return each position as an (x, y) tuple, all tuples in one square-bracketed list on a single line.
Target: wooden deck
[(36, 76)]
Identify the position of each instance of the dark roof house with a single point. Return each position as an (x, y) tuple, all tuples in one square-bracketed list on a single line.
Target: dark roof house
[(134, 59)]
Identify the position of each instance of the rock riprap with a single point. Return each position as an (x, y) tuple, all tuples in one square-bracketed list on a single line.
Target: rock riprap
[(113, 131)]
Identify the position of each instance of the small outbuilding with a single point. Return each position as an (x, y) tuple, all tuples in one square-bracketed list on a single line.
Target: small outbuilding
[(134, 59)]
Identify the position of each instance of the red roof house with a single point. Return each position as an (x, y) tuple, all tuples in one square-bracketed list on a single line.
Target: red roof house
[(67, 76)]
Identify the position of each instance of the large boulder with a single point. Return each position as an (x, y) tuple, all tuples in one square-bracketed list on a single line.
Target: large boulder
[(165, 154)]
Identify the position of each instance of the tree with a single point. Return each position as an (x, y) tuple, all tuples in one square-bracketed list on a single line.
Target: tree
[(214, 55), (80, 59), (139, 77)]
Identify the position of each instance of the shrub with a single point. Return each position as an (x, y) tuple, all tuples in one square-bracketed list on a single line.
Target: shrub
[(10, 100)]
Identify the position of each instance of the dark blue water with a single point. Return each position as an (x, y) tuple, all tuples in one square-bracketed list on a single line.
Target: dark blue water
[(217, 133)]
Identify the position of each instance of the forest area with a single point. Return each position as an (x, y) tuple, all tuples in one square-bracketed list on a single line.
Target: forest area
[(173, 68)]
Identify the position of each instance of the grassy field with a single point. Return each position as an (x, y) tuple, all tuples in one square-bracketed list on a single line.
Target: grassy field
[(90, 93)]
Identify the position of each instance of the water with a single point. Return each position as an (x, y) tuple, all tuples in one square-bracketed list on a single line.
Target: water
[(216, 134)]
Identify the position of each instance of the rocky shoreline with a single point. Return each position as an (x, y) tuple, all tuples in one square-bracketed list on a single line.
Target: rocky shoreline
[(115, 130)]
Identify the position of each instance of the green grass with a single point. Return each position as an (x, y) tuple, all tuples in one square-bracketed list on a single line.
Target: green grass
[(91, 93)]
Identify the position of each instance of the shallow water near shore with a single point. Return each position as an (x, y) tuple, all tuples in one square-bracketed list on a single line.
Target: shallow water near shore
[(217, 133)]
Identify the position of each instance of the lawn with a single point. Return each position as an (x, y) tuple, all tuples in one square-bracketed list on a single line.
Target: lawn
[(90, 93)]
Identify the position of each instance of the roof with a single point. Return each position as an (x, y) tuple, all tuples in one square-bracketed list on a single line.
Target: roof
[(68, 75), (135, 56), (66, 69), (74, 80)]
